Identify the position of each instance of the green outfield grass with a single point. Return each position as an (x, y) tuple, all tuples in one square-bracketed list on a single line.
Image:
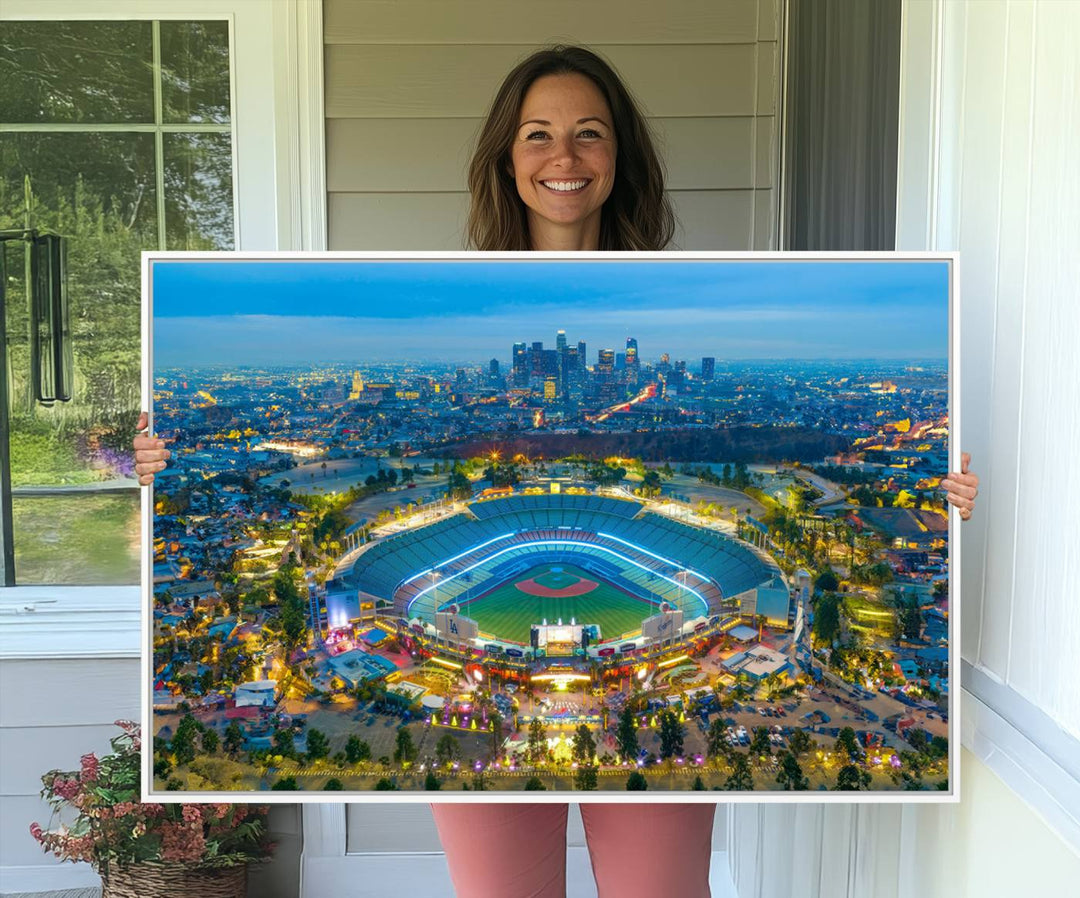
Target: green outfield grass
[(508, 613)]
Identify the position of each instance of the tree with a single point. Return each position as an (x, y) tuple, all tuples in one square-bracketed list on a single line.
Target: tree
[(404, 749), (318, 746), (496, 731), (431, 782), (636, 782), (385, 785), (800, 743), (234, 739), (790, 776), (534, 784), (852, 779), (585, 778), (447, 749), (284, 743), (760, 745), (206, 681), (333, 785), (741, 778), (650, 484), (458, 485), (717, 745), (916, 739), (285, 784), (537, 745), (584, 746), (826, 581), (911, 617), (847, 743), (827, 619), (626, 734), (209, 741), (672, 733), (183, 741), (699, 785), (357, 750)]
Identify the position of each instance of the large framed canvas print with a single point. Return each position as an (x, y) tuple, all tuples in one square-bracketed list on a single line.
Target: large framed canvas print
[(615, 527)]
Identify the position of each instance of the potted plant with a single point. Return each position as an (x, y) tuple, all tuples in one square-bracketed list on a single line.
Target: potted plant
[(164, 850)]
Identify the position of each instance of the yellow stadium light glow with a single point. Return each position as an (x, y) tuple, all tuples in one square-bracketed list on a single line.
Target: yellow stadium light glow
[(671, 661), (561, 676), (451, 664)]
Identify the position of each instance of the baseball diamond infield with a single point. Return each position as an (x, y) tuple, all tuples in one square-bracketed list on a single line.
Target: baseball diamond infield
[(551, 592)]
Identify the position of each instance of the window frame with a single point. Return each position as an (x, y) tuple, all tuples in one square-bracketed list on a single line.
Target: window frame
[(276, 93)]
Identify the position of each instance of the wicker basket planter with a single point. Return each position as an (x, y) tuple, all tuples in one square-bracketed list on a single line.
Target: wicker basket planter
[(150, 880)]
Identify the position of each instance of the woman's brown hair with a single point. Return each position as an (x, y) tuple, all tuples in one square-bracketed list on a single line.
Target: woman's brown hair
[(637, 214)]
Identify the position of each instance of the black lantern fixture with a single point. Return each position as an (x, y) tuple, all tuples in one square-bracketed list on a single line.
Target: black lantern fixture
[(51, 364)]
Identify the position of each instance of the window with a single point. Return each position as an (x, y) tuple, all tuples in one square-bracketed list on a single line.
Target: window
[(118, 136)]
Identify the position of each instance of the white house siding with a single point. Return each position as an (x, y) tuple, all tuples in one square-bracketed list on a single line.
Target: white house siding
[(408, 82), (989, 845)]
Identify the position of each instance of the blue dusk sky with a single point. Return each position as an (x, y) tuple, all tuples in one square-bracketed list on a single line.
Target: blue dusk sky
[(256, 312)]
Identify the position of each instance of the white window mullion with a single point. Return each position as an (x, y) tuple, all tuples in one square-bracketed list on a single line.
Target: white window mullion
[(159, 138)]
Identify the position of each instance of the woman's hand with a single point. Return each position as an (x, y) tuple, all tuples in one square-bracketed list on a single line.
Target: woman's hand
[(150, 454), (962, 487)]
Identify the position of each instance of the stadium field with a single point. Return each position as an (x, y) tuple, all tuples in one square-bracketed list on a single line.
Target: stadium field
[(510, 608)]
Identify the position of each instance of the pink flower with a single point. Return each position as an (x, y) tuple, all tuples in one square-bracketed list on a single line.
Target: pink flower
[(181, 842), (37, 832), (192, 813), (89, 767), (65, 788)]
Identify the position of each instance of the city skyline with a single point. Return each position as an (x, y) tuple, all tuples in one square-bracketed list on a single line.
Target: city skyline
[(242, 312)]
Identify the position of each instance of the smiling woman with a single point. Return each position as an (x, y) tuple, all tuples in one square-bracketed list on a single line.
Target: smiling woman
[(560, 118), (563, 160)]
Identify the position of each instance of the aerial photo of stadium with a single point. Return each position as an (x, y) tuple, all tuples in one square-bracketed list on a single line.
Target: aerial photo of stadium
[(446, 557)]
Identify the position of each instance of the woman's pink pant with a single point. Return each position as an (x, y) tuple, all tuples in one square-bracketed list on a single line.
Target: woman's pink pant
[(637, 850)]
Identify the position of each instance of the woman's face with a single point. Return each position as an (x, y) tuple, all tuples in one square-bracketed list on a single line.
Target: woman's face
[(563, 155)]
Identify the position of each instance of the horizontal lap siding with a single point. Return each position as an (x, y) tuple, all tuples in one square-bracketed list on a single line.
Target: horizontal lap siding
[(408, 83), (459, 81), (52, 713), (524, 22)]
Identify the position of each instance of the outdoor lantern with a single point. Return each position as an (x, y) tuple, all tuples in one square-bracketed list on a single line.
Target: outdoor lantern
[(50, 351), (51, 356)]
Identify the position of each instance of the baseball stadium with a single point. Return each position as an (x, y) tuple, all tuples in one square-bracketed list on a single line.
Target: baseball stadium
[(540, 575)]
